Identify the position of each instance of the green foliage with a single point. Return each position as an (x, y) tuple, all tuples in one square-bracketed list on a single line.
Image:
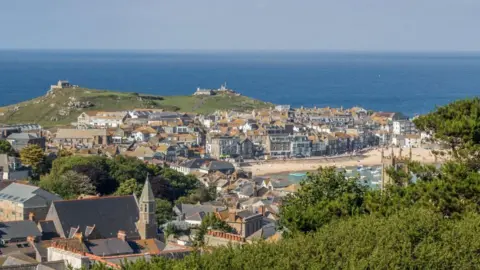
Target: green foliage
[(69, 185), (411, 239), (125, 176), (200, 194), (64, 153), (324, 196), (96, 168), (169, 230), (458, 125), (123, 168), (210, 222), (32, 155), (163, 212), (129, 187), (6, 148)]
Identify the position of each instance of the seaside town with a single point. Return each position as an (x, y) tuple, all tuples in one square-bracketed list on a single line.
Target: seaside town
[(240, 164)]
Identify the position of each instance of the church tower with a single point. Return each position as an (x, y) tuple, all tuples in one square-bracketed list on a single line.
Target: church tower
[(147, 222)]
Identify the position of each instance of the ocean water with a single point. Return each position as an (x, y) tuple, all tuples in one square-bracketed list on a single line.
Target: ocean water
[(408, 83)]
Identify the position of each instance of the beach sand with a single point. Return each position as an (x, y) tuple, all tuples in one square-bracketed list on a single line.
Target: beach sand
[(370, 158)]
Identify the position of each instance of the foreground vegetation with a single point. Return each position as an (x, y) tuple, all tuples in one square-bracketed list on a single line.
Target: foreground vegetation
[(59, 108), (433, 223)]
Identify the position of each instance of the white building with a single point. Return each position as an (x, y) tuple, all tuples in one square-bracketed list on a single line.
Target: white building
[(402, 127), (75, 260), (413, 140), (102, 119)]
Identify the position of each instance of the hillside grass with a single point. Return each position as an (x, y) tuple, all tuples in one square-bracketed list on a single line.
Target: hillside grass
[(45, 110)]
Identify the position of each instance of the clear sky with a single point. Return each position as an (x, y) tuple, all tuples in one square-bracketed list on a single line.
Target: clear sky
[(339, 25)]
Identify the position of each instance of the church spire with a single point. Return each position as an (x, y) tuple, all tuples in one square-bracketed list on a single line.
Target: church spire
[(147, 222), (147, 192)]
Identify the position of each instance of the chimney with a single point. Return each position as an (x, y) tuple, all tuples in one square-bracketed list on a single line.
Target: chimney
[(122, 235), (31, 216), (31, 239), (262, 210), (78, 236)]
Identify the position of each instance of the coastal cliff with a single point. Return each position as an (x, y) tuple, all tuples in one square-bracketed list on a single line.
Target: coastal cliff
[(61, 106)]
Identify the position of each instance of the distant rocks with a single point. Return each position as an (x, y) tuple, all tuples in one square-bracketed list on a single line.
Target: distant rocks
[(80, 104)]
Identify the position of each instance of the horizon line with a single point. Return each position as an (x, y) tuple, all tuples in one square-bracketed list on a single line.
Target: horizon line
[(209, 51)]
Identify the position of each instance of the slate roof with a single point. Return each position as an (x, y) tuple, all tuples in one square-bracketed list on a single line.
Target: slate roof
[(246, 214), (18, 229), (30, 196), (109, 247), (191, 209), (150, 246), (196, 216), (147, 193), (195, 163), (221, 166), (18, 259), (22, 136), (265, 232), (107, 214), (47, 228)]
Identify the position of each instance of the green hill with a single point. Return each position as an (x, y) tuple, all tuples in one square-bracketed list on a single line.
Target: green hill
[(62, 106)]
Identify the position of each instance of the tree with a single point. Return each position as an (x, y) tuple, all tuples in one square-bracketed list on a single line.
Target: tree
[(123, 168), (200, 194), (170, 229), (32, 155), (98, 175), (129, 187), (96, 168), (324, 196), (458, 126), (69, 185), (6, 148), (163, 212), (64, 153), (210, 222)]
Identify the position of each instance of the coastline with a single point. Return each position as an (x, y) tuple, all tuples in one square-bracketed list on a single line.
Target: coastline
[(370, 158)]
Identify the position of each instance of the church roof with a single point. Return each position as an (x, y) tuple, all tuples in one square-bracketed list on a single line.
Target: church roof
[(147, 192), (107, 215)]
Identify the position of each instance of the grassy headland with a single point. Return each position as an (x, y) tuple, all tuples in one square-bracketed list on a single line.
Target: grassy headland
[(62, 106)]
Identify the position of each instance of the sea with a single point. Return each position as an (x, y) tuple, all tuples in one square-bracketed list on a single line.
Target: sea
[(411, 83)]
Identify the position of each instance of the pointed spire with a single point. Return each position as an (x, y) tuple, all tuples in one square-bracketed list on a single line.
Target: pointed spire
[(147, 193)]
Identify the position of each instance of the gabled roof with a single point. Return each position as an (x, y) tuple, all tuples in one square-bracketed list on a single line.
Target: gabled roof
[(220, 166), (195, 163), (109, 247), (18, 229), (108, 214), (21, 193), (22, 136), (190, 209)]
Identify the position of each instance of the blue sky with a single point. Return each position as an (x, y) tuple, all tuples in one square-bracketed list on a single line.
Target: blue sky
[(338, 25)]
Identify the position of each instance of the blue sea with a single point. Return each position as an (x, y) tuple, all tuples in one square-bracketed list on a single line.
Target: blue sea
[(412, 83)]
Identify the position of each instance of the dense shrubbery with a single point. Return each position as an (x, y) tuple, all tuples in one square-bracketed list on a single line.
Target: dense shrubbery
[(337, 224), (120, 176)]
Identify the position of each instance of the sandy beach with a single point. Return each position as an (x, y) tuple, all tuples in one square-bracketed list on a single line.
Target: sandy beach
[(370, 158)]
